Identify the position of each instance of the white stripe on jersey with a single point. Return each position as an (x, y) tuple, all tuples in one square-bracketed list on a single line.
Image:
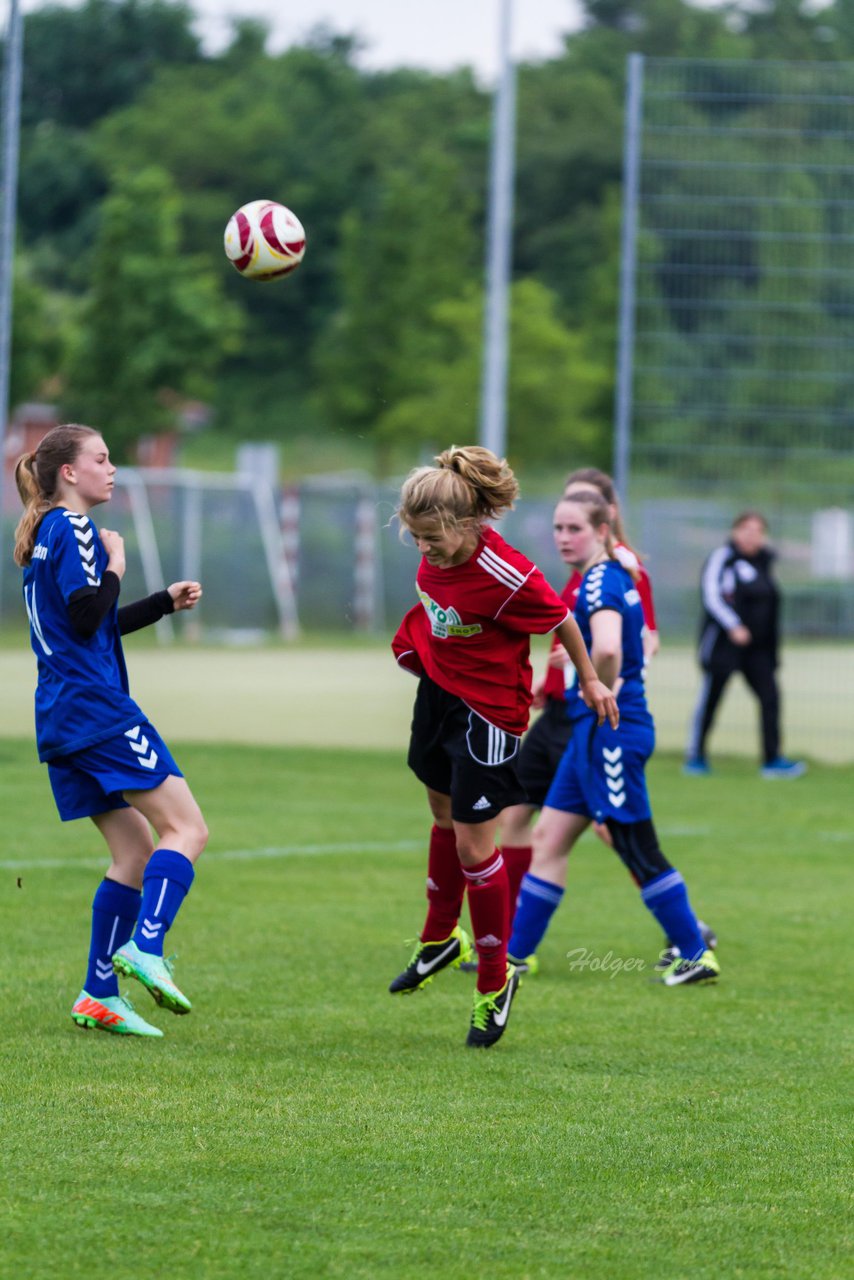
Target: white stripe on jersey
[(85, 535), (33, 615), (500, 569)]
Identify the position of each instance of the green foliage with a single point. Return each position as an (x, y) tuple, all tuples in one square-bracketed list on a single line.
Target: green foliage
[(413, 250), (387, 171), (155, 324), (82, 63), (61, 186), (554, 391), (40, 335)]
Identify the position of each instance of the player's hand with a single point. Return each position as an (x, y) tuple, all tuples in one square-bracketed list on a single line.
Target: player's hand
[(538, 695), (185, 595), (740, 635), (558, 657), (601, 830), (114, 545), (651, 644), (600, 699)]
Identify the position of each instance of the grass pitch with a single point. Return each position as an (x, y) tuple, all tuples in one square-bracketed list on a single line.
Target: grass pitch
[(303, 1123)]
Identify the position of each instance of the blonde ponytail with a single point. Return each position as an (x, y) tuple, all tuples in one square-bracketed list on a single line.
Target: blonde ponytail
[(468, 486)]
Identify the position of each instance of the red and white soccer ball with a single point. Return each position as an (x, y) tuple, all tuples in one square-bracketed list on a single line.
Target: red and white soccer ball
[(264, 240)]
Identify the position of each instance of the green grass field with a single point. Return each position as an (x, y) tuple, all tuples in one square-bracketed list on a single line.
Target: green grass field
[(303, 1123)]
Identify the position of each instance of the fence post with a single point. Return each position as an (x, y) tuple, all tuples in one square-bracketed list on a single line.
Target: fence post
[(365, 566), (628, 265)]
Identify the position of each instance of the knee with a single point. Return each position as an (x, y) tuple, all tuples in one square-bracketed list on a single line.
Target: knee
[(190, 837), (545, 853), (440, 808), (198, 836)]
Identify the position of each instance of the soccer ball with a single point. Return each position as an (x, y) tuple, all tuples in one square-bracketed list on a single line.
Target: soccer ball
[(264, 240)]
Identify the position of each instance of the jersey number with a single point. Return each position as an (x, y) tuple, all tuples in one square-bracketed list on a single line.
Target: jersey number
[(33, 615)]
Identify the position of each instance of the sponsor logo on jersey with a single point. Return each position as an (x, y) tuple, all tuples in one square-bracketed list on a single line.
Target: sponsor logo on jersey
[(632, 597), (446, 622)]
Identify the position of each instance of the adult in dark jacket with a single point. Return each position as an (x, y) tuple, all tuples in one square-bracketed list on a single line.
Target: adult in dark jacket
[(740, 631)]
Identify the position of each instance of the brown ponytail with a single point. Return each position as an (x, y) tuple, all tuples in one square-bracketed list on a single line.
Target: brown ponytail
[(37, 477), (468, 486), (602, 481), (597, 506)]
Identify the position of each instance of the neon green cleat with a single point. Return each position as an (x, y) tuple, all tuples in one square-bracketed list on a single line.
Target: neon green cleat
[(429, 958), (111, 1013), (153, 972), (681, 972), (529, 965), (491, 1011)]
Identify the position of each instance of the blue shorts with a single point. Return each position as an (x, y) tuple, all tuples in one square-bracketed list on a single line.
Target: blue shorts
[(92, 781), (601, 775)]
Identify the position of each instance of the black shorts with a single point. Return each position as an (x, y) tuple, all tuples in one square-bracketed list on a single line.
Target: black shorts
[(456, 752), (543, 749)]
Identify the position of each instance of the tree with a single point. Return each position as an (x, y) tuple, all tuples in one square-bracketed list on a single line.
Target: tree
[(556, 385), (155, 325), (83, 63), (40, 336), (413, 250)]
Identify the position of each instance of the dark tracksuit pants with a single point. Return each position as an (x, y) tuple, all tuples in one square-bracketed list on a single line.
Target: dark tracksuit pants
[(757, 665)]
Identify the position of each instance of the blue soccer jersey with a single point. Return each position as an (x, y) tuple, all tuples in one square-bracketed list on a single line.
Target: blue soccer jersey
[(601, 775), (609, 586), (82, 695)]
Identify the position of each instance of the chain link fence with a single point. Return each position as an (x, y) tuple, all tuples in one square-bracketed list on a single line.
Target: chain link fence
[(738, 320)]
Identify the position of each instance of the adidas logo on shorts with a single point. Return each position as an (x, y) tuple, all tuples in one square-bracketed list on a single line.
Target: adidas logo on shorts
[(482, 803)]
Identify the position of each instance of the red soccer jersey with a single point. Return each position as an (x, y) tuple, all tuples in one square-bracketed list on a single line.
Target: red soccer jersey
[(470, 634), (555, 686)]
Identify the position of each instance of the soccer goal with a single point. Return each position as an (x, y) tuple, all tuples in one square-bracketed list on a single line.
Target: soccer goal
[(221, 529)]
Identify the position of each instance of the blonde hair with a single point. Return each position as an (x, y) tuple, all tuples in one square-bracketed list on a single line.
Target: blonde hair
[(597, 507), (37, 477), (467, 486)]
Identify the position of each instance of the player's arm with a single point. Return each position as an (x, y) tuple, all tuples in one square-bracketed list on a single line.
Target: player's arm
[(596, 695), (142, 613), (89, 606), (606, 647)]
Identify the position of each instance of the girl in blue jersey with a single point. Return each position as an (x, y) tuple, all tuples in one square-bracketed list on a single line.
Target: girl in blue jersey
[(105, 760), (601, 776)]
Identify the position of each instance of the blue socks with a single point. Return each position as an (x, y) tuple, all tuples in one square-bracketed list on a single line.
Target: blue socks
[(537, 902), (667, 898), (165, 885), (115, 908)]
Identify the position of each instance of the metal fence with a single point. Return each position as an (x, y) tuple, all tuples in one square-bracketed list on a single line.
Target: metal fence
[(735, 380)]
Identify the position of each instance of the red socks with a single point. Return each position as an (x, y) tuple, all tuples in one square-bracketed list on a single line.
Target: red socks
[(517, 860), (489, 903), (445, 886), (488, 907)]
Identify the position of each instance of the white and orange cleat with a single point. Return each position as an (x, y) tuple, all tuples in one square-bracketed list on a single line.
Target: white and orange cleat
[(111, 1013)]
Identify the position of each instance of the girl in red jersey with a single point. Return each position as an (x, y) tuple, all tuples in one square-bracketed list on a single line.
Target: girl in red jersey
[(468, 642), (544, 746)]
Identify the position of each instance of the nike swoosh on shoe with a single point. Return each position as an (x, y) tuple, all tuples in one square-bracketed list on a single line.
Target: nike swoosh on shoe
[(421, 968)]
